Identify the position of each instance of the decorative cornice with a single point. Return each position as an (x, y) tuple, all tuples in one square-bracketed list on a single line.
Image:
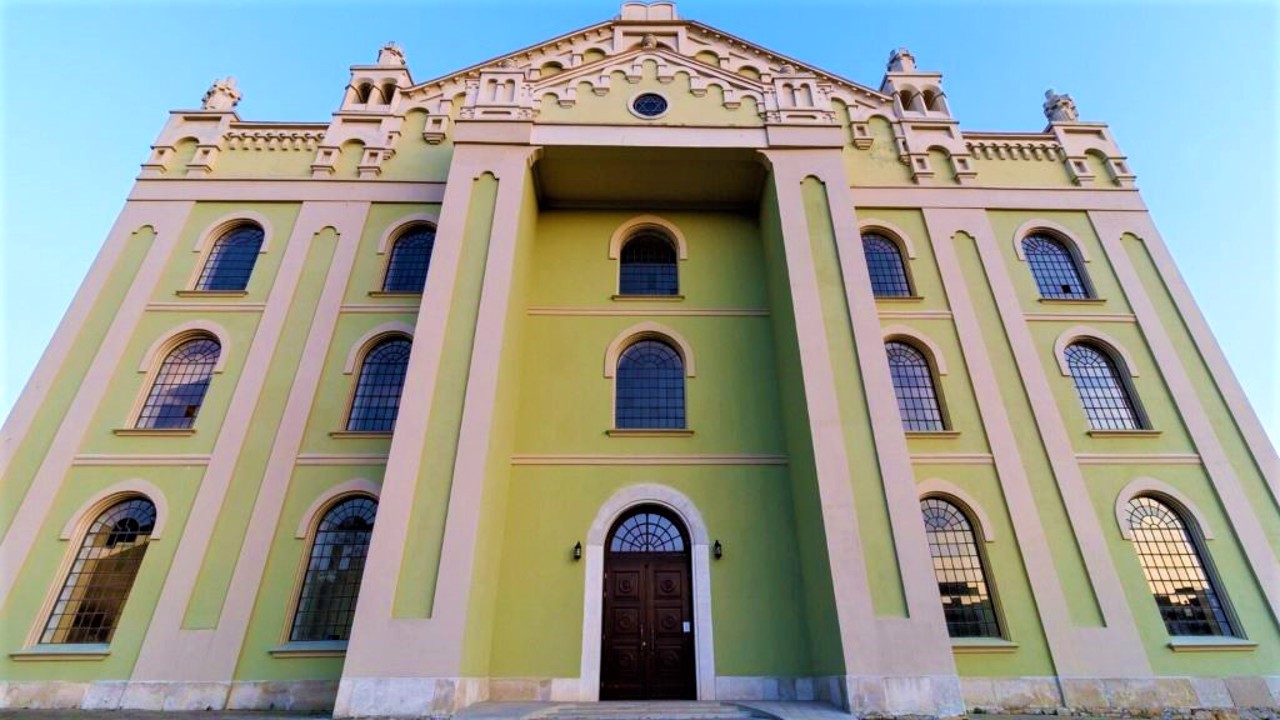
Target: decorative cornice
[(103, 460), (276, 138), (742, 459)]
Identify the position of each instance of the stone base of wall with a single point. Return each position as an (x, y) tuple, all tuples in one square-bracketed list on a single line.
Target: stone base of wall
[(407, 697), (1258, 696)]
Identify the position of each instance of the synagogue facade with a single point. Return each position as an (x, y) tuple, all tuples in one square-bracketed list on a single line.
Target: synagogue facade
[(640, 363)]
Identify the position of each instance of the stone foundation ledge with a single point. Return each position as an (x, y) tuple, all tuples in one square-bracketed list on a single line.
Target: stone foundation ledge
[(936, 696), (1185, 696), (166, 696), (407, 697)]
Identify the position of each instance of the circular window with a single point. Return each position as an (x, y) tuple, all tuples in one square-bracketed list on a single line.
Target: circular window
[(649, 105)]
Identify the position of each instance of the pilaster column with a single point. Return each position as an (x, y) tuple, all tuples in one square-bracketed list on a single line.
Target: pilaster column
[(166, 219), (1111, 226), (412, 666), (887, 658)]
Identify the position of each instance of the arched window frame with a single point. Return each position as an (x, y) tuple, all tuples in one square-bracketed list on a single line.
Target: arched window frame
[(906, 253), (355, 367), (308, 529), (74, 533), (392, 235), (1078, 252), (1198, 534), (620, 344), (204, 245), (153, 359), (637, 226), (1121, 359), (937, 369), (980, 525)]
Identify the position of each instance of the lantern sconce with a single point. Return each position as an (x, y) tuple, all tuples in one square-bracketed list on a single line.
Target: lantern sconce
[(577, 552), (718, 550)]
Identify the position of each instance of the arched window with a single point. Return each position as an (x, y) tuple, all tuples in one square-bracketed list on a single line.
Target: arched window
[(377, 400), (327, 601), (914, 385), (410, 260), (957, 565), (647, 530), (884, 263), (1173, 563), (231, 260), (98, 584), (180, 385), (1104, 393), (1054, 267), (648, 266), (650, 387)]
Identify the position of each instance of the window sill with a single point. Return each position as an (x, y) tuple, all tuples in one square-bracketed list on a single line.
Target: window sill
[(1125, 433), (932, 434), (966, 646), (154, 432), (393, 294), (314, 649), (1073, 301), (211, 293), (656, 432), (648, 298), (80, 651), (899, 298), (358, 434), (1211, 643)]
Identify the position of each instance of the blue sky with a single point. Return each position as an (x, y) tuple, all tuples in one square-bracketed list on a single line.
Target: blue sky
[(1189, 91)]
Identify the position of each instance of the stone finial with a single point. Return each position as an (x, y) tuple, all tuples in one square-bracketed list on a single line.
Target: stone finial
[(391, 54), (901, 60), (1060, 108), (222, 95), (649, 41), (507, 64)]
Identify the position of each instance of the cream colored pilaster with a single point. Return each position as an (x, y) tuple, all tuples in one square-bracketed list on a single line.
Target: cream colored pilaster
[(410, 666), (1111, 226), (1070, 651), (886, 666), (1124, 656), (167, 220), (170, 652)]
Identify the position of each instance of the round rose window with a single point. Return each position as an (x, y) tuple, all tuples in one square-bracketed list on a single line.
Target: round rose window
[(649, 105)]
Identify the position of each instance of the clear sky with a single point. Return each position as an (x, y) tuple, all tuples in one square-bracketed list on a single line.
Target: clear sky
[(1189, 90)]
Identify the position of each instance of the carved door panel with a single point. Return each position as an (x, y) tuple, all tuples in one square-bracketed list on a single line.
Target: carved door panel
[(647, 644)]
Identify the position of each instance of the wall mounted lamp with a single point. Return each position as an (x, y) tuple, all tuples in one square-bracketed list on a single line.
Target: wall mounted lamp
[(718, 550), (577, 552)]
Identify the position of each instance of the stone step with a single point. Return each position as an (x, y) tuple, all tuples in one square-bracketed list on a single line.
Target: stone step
[(656, 710)]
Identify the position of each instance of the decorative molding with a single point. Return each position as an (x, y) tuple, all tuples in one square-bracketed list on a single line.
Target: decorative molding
[(147, 459), (217, 228), (1014, 146), (1151, 486), (894, 232), (936, 486), (952, 459), (1211, 644), (1082, 317), (44, 653), (376, 459), (1138, 459), (642, 331), (643, 222), (649, 432), (1061, 233), (177, 335), (356, 354), (100, 500), (1137, 433), (254, 307), (649, 312), (399, 225), (286, 139), (154, 432), (915, 314), (373, 309), (634, 459), (916, 337), (1084, 332), (356, 486)]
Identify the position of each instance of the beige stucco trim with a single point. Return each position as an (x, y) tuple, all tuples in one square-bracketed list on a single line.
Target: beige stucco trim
[(980, 198), (641, 331), (1119, 353), (647, 459), (361, 347), (401, 224), (894, 232), (357, 486), (1030, 227), (648, 312), (1151, 486), (106, 497), (918, 338), (287, 190), (179, 334), (643, 222), (216, 229), (593, 602), (936, 487), (167, 220)]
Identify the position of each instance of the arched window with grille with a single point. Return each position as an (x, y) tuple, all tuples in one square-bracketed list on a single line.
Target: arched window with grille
[(647, 530), (92, 599), (410, 259), (967, 601), (1174, 564), (650, 387), (335, 563), (1055, 268), (1105, 394), (180, 384), (648, 265), (377, 400), (886, 267), (231, 260), (915, 387)]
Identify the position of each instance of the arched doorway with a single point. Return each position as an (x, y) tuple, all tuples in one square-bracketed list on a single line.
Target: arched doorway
[(647, 639)]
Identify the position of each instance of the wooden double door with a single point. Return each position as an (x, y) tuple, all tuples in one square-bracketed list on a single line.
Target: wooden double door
[(647, 651)]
